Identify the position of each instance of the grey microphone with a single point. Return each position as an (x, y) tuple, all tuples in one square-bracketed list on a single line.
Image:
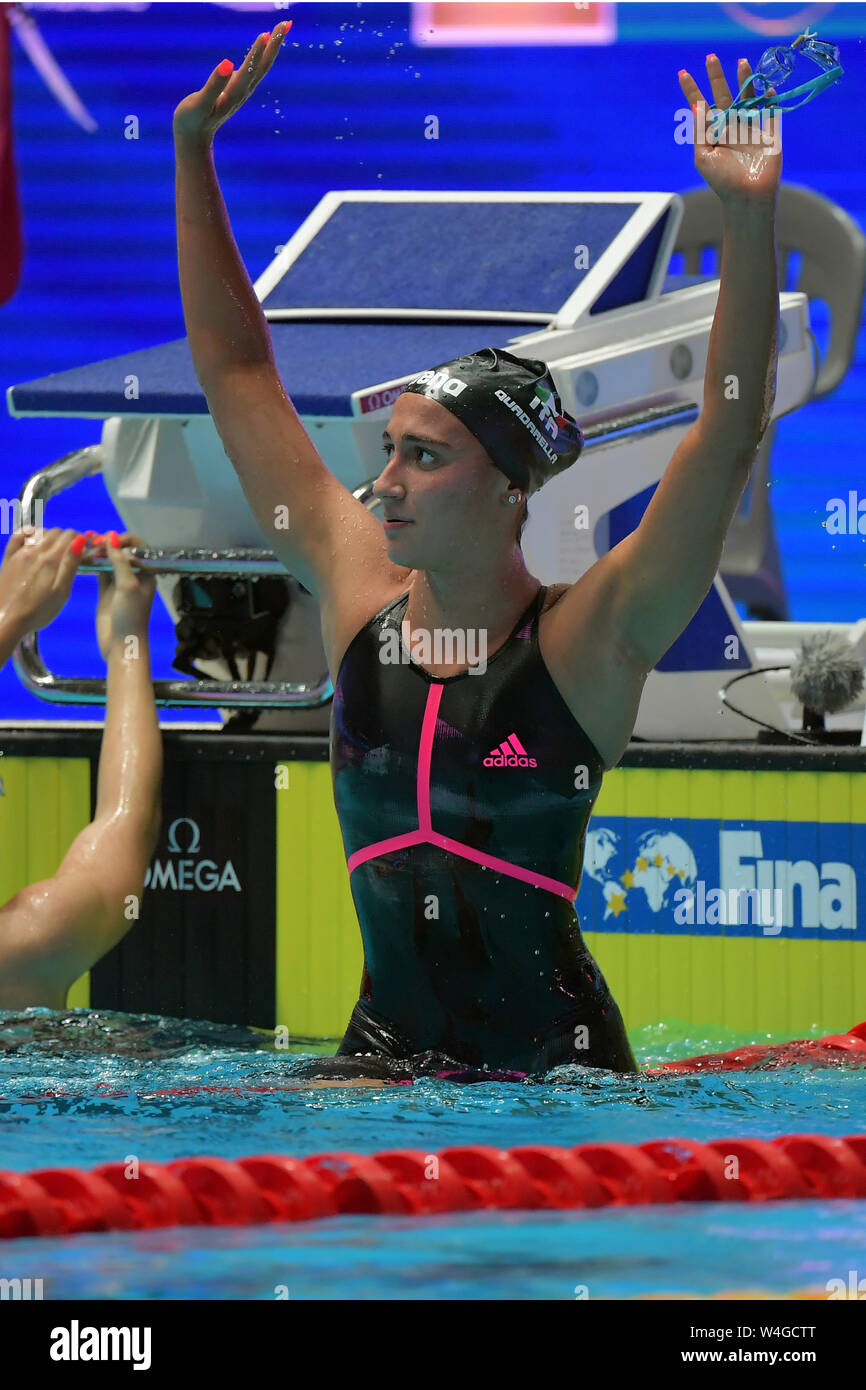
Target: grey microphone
[(825, 678)]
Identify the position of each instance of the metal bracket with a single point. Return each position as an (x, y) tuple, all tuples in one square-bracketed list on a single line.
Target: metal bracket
[(73, 690)]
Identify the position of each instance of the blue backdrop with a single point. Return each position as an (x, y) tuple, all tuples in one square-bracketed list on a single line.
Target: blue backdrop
[(345, 107)]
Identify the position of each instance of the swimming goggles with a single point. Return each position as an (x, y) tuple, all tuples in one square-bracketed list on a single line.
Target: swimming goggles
[(776, 66)]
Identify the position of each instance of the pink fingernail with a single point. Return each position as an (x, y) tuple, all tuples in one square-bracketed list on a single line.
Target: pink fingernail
[(225, 67), (77, 546), (114, 539)]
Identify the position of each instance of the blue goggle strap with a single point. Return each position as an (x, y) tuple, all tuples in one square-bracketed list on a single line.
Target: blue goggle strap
[(785, 102)]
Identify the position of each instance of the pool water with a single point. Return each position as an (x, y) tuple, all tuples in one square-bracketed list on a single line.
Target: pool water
[(110, 1066)]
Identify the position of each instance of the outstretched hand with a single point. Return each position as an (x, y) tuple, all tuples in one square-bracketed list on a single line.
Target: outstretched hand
[(202, 113), (746, 163)]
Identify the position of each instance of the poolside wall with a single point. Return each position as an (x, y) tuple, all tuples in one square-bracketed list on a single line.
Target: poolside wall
[(248, 917)]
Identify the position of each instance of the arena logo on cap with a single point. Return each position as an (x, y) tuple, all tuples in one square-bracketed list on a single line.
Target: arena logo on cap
[(439, 381)]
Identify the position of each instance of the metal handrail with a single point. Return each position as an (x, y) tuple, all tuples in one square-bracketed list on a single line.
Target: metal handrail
[(83, 463), (78, 690)]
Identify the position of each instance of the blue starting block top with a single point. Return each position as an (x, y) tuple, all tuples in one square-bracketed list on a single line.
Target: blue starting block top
[(505, 256), (374, 286), (320, 364)]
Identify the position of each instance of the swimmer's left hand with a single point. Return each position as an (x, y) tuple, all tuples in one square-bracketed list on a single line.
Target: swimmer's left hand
[(746, 164), (36, 575)]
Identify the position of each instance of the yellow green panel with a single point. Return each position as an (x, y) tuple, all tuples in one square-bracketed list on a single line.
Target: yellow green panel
[(737, 803), (319, 954), (47, 803), (770, 803), (754, 984), (796, 796), (78, 997), (836, 803), (611, 798), (834, 1008)]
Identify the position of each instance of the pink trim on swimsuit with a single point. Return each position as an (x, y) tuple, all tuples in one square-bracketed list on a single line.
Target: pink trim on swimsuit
[(425, 834)]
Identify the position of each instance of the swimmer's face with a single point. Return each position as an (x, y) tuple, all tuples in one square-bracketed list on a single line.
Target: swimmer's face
[(440, 478)]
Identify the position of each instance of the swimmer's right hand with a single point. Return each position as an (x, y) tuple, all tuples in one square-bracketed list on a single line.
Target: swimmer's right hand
[(125, 597), (202, 113)]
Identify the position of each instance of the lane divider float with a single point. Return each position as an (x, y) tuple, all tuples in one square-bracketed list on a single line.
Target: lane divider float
[(405, 1182)]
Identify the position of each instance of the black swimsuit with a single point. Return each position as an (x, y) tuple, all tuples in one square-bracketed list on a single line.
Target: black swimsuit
[(463, 803)]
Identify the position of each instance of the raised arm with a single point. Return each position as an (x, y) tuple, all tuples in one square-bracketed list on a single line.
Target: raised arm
[(280, 471), (53, 931), (660, 574)]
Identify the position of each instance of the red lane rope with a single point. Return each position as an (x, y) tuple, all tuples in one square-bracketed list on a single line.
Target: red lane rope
[(264, 1188), (848, 1048), (404, 1182)]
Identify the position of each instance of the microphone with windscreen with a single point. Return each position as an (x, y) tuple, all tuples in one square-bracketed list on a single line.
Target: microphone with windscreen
[(825, 678)]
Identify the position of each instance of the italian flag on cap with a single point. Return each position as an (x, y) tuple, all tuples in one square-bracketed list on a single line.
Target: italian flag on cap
[(544, 394)]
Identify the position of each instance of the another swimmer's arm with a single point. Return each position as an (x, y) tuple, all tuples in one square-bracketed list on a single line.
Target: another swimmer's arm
[(129, 779), (11, 634), (36, 576), (53, 931)]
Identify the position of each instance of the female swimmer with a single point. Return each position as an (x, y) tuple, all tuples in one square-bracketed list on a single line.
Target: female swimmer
[(475, 709)]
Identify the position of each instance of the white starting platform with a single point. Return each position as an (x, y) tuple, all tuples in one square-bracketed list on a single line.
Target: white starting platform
[(374, 287)]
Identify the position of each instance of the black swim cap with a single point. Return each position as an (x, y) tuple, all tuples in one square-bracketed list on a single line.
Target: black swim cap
[(513, 408)]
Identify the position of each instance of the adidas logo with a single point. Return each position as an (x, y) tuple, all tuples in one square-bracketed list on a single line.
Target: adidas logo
[(510, 753)]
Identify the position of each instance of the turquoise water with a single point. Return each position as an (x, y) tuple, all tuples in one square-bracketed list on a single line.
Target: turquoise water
[(620, 1253)]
